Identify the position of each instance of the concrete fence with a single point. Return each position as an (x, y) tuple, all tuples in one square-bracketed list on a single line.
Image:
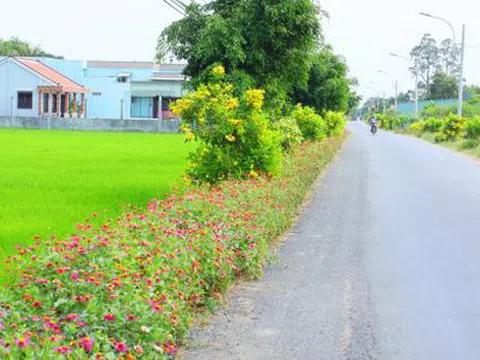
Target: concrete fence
[(153, 126)]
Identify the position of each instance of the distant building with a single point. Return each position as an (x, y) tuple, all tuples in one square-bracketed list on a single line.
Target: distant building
[(105, 89)]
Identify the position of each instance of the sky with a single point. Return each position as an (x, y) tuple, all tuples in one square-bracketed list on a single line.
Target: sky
[(364, 32)]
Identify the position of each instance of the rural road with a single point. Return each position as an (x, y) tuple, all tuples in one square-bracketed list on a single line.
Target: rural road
[(383, 264)]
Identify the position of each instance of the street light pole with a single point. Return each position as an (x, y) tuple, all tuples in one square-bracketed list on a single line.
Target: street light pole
[(460, 74), (462, 58), (416, 81)]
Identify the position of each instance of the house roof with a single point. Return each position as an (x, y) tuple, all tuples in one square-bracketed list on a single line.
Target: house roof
[(157, 75), (121, 64), (171, 67), (52, 75)]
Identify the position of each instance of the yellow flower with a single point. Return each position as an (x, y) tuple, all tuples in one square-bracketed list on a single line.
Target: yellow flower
[(218, 70), (230, 138), (255, 97), (235, 122), (181, 106), (232, 104), (253, 174)]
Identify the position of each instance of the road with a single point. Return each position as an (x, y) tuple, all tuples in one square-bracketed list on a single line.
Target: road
[(383, 264)]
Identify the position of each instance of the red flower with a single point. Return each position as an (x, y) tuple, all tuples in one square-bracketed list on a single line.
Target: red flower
[(71, 317), (22, 342), (109, 317), (121, 347), (170, 349), (37, 304)]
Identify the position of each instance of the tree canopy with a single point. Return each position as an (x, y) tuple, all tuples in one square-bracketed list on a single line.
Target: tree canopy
[(273, 44), (17, 47), (328, 87)]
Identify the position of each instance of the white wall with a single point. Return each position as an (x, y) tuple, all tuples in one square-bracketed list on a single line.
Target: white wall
[(14, 78)]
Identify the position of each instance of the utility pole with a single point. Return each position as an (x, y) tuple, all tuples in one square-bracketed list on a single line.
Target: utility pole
[(460, 75), (462, 58)]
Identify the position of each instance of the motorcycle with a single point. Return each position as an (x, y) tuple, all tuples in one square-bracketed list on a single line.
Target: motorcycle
[(373, 129)]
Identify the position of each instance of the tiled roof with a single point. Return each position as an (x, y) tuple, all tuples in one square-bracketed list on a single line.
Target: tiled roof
[(52, 75), (121, 64)]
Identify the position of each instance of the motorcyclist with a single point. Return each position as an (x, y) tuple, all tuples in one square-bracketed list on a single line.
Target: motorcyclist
[(373, 122)]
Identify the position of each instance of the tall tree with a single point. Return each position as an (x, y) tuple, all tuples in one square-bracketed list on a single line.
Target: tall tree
[(426, 59), (450, 57), (17, 47), (328, 87), (443, 87), (269, 41)]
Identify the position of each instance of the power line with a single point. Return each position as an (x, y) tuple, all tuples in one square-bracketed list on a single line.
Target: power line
[(174, 7)]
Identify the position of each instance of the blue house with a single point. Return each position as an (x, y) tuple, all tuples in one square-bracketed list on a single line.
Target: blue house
[(117, 89)]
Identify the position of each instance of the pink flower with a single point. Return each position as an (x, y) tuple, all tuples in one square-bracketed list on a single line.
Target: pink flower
[(81, 323), (121, 347), (2, 327), (138, 349), (74, 277), (72, 317), (109, 317), (157, 308), (22, 342), (87, 344), (63, 350), (170, 349)]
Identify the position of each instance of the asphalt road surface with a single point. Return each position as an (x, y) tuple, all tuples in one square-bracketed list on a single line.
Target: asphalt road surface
[(383, 264)]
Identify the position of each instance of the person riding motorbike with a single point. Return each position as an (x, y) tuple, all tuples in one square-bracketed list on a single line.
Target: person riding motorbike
[(373, 124)]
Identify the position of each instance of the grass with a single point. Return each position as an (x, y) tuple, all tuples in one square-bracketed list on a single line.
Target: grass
[(469, 147), (50, 180), (137, 285)]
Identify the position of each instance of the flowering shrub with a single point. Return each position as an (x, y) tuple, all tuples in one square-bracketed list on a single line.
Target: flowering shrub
[(453, 128), (311, 124), (289, 131), (234, 133), (335, 122), (129, 289), (417, 127)]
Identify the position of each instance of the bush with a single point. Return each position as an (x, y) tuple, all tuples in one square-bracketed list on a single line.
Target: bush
[(433, 124), (392, 120), (133, 285), (234, 133), (417, 127), (311, 124), (453, 128), (472, 128), (290, 132), (335, 122)]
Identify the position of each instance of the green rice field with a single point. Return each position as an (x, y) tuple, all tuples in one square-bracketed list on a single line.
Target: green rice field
[(52, 180)]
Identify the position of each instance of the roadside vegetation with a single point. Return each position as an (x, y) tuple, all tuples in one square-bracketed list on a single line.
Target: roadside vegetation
[(51, 180), (442, 125), (265, 115)]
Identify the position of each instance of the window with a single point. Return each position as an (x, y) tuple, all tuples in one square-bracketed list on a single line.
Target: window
[(25, 100), (122, 79)]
